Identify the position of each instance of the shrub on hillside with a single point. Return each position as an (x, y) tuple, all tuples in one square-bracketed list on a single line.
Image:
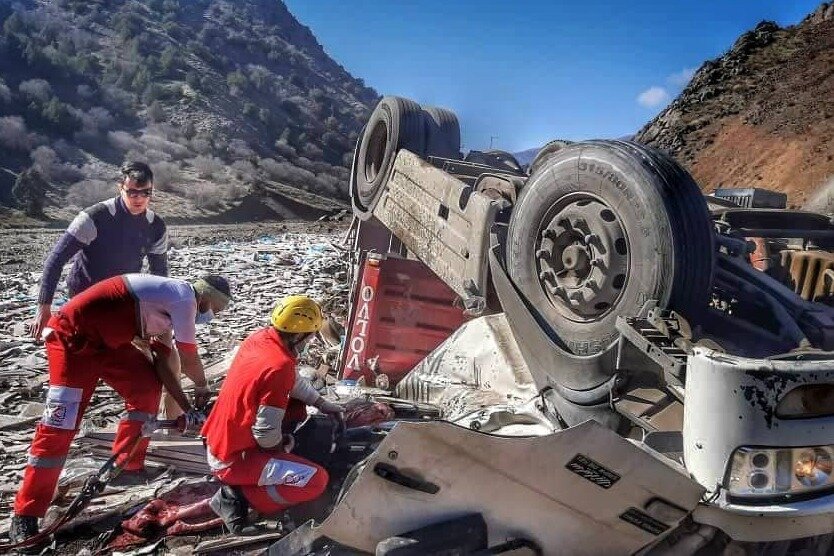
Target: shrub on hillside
[(312, 151), (14, 135), (118, 100), (285, 149), (236, 81), (124, 141), (89, 192), (240, 149), (36, 89), (48, 163), (201, 145), (206, 196), (96, 120), (44, 158), (149, 156), (207, 167), (158, 143), (29, 191), (244, 170), (155, 112), (165, 174), (60, 116), (5, 92)]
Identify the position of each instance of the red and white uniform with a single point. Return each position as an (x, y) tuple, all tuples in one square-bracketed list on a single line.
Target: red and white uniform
[(243, 432), (89, 339)]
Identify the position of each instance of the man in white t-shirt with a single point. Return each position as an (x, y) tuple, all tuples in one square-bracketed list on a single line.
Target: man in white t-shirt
[(90, 338)]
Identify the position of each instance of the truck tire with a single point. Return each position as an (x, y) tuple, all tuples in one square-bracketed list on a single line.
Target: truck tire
[(544, 154), (442, 133), (396, 123), (599, 229)]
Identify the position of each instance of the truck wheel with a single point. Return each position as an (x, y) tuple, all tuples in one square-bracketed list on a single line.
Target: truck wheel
[(442, 133), (599, 229), (544, 154), (396, 123)]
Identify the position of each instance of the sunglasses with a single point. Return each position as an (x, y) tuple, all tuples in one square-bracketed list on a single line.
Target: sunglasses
[(136, 193)]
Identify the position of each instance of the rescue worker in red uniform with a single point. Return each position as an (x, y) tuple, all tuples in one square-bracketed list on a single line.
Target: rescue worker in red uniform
[(90, 338), (247, 448)]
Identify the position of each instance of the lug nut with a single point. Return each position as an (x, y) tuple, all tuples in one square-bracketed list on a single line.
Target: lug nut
[(558, 290), (576, 296), (591, 238), (546, 275), (549, 233), (542, 253), (597, 262)]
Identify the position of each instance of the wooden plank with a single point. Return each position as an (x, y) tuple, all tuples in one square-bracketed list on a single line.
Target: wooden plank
[(15, 421), (184, 454), (184, 466)]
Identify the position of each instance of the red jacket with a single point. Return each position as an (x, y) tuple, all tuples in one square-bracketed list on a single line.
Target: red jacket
[(262, 374)]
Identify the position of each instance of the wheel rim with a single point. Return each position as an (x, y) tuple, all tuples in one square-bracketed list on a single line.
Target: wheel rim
[(582, 257), (374, 159)]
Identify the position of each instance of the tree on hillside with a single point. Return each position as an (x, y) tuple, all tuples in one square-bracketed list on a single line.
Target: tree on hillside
[(59, 117), (29, 191), (156, 112)]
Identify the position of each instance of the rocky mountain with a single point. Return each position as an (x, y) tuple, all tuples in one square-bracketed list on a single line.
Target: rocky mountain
[(761, 115), (237, 107)]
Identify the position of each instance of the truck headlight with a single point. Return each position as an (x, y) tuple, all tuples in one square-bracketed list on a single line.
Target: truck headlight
[(758, 473)]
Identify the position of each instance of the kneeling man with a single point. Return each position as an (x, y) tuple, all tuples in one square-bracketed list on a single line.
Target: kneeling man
[(247, 449)]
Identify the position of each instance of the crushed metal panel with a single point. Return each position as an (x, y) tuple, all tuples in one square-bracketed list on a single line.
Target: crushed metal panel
[(584, 490), (478, 379), (439, 219), (477, 366)]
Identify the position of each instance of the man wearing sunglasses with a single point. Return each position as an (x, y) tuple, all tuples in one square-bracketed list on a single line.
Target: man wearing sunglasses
[(107, 239)]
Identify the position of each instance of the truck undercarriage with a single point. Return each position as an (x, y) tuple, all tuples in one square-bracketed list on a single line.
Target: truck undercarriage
[(626, 364)]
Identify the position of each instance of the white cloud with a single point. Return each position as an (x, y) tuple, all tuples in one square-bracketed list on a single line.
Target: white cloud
[(653, 97), (681, 78)]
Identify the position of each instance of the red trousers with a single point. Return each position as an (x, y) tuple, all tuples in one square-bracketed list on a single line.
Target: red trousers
[(78, 357), (273, 480)]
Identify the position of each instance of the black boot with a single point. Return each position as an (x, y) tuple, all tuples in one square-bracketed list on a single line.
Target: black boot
[(24, 527), (230, 504)]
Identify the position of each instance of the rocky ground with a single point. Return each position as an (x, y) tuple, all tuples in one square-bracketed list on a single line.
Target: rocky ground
[(262, 261), (760, 115)]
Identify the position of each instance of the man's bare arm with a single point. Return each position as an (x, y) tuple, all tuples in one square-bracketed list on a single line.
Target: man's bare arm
[(171, 382), (192, 367)]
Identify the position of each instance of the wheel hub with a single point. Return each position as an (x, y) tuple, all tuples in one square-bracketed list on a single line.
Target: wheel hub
[(582, 258)]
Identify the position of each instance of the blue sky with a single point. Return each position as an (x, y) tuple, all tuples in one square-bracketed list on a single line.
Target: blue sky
[(519, 73)]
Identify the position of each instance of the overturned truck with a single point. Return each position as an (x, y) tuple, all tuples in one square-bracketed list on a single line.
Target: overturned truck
[(678, 348)]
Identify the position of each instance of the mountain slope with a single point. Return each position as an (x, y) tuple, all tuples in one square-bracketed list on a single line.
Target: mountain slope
[(222, 97), (762, 114)]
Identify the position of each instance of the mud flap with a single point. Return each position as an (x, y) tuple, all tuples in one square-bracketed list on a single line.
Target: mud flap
[(584, 490), (441, 221)]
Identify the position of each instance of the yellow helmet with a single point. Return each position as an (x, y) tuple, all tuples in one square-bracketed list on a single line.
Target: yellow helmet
[(297, 314)]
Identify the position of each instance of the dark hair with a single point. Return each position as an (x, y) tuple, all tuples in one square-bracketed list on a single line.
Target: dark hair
[(137, 171)]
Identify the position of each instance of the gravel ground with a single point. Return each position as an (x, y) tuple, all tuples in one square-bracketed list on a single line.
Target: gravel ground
[(24, 249)]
